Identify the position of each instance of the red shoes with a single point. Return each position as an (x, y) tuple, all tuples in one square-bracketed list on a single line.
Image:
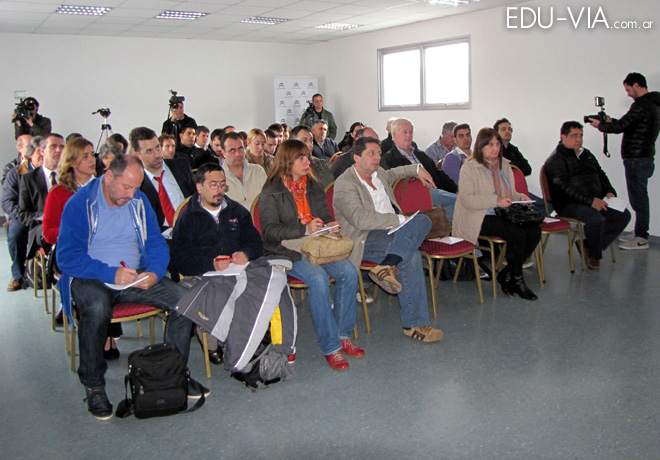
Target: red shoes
[(337, 361), (351, 349)]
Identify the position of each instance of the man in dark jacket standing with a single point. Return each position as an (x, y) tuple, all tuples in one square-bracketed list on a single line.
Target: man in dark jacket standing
[(640, 127), (579, 188)]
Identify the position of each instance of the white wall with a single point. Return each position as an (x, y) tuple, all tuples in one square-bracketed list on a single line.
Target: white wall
[(223, 82), (536, 78)]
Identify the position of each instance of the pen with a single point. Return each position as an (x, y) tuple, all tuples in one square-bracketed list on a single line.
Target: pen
[(219, 258), (123, 264)]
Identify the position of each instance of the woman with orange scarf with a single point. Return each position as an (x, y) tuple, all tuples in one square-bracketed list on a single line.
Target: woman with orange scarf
[(292, 205)]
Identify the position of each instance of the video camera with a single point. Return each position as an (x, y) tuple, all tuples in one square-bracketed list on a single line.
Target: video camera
[(175, 100), (310, 108), (23, 110), (600, 116), (105, 113)]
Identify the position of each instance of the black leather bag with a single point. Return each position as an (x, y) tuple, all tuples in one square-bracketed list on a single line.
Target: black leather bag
[(524, 214)]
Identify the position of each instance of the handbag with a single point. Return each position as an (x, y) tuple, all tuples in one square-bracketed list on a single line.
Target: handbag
[(523, 214), (440, 225), (322, 248)]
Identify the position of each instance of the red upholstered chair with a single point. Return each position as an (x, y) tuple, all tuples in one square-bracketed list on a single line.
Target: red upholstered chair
[(334, 157), (412, 195), (121, 312), (434, 250)]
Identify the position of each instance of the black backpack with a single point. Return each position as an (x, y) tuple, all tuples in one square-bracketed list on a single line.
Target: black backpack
[(158, 379), (267, 366)]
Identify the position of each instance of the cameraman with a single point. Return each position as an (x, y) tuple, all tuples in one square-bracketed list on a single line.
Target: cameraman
[(640, 127), (177, 120), (316, 112), (35, 124)]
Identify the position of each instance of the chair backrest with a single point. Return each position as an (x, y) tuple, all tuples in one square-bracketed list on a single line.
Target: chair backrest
[(329, 195), (439, 165), (334, 157), (520, 181), (254, 210), (545, 189), (180, 209), (412, 195)]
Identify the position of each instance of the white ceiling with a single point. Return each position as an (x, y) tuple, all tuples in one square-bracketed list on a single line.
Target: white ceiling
[(135, 18)]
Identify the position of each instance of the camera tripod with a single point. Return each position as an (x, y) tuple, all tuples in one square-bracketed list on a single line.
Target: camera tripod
[(106, 129)]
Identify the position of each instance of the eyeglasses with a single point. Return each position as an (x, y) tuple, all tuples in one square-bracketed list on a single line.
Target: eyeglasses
[(215, 185)]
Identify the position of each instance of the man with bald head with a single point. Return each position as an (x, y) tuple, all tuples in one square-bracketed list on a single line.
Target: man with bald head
[(121, 245)]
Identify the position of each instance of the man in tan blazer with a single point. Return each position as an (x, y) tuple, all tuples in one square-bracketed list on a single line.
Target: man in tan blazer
[(364, 203)]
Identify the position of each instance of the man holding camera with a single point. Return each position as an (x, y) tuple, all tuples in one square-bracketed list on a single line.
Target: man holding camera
[(177, 120), (640, 127), (316, 112), (33, 124)]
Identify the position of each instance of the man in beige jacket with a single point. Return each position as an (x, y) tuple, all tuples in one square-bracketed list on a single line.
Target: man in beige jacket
[(364, 203)]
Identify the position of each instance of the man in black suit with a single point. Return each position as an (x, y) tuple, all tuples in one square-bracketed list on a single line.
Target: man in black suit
[(166, 183), (404, 153), (34, 190)]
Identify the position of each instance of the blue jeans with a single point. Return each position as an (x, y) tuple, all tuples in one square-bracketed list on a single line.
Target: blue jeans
[(94, 301), (17, 237), (330, 324), (600, 227), (638, 172), (446, 199), (405, 243)]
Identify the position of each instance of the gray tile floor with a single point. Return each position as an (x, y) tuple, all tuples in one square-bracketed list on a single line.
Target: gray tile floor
[(573, 375)]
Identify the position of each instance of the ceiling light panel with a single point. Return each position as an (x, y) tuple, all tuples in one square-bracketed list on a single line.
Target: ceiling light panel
[(263, 20), (184, 15), (337, 26), (83, 10)]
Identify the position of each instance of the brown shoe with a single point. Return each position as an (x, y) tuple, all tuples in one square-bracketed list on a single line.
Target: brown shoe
[(593, 263), (385, 277), (425, 334), (15, 285)]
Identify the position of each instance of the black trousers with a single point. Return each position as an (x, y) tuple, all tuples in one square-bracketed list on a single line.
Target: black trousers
[(521, 241)]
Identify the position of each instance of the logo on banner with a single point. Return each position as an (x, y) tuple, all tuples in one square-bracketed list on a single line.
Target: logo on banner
[(282, 104), (303, 94), (297, 121), (310, 85), (282, 120), (289, 113), (296, 86), (288, 94), (296, 104), (281, 86)]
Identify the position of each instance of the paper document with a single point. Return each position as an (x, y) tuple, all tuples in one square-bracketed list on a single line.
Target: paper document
[(447, 240), (324, 229), (522, 202), (232, 270), (549, 220), (402, 223), (121, 287), (616, 203)]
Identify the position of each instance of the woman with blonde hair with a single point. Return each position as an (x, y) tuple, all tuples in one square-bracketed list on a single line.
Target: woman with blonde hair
[(292, 205), (257, 154)]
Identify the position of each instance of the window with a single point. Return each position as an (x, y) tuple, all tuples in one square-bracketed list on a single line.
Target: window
[(434, 75)]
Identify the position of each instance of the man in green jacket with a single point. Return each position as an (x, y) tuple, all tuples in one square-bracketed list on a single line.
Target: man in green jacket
[(310, 116)]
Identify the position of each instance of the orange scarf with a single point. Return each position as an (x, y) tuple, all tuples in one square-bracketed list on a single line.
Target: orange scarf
[(299, 192)]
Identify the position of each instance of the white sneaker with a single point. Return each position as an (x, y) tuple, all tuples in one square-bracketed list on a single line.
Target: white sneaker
[(626, 236), (369, 299), (635, 243)]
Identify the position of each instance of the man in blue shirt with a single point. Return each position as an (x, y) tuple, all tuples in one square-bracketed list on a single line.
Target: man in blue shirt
[(109, 234)]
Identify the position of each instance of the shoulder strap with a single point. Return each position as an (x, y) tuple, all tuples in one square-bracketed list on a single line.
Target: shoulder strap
[(125, 407)]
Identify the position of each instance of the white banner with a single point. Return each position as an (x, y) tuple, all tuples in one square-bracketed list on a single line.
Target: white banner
[(291, 96)]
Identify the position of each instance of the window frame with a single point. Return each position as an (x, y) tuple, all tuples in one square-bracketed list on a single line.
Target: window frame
[(422, 77)]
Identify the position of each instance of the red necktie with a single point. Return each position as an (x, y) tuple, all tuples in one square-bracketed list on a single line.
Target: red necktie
[(165, 202), (53, 181)]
